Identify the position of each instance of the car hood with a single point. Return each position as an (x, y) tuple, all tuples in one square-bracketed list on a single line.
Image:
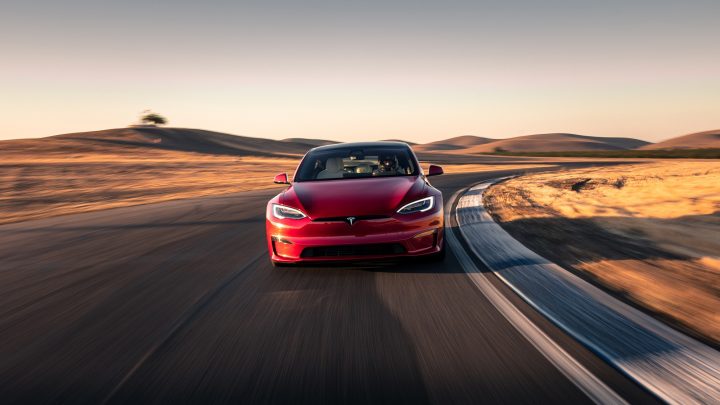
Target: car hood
[(354, 197)]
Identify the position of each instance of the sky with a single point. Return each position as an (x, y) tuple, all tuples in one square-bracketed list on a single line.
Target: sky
[(362, 70)]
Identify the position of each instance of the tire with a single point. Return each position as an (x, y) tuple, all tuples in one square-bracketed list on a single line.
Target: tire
[(280, 264)]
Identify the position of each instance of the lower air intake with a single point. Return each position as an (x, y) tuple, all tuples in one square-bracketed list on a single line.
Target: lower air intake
[(354, 250)]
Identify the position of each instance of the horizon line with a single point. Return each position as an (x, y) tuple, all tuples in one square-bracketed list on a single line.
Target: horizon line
[(377, 138)]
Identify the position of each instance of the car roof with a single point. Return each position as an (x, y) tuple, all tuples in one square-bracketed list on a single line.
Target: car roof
[(359, 145)]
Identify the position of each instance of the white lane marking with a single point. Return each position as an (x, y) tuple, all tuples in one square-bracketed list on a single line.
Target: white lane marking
[(673, 366), (587, 382)]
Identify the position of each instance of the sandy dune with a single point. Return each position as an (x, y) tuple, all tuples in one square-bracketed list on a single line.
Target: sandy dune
[(697, 140)]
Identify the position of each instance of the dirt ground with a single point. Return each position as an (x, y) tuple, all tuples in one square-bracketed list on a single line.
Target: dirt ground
[(648, 233)]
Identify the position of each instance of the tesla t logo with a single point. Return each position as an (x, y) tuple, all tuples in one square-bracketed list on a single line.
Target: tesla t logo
[(351, 220)]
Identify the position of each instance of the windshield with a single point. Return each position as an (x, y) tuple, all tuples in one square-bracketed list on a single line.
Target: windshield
[(353, 163)]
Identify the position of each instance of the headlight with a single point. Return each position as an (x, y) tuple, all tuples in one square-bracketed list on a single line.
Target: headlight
[(283, 212), (422, 205)]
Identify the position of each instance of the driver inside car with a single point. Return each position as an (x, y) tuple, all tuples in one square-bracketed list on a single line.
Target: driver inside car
[(388, 166)]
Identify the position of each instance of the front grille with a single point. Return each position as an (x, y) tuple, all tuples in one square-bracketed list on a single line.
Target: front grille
[(354, 250), (345, 219)]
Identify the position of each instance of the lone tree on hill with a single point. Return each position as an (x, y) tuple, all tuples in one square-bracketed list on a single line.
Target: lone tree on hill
[(154, 119)]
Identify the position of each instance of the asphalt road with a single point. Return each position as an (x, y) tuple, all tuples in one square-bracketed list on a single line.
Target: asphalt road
[(177, 302)]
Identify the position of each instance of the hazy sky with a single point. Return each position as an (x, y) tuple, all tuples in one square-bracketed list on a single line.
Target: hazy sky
[(410, 69)]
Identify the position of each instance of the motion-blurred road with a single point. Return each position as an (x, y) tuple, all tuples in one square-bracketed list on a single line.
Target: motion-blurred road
[(177, 302)]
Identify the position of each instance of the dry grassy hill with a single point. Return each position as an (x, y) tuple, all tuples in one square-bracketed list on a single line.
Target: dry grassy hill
[(457, 143), (697, 140), (311, 143), (178, 139), (97, 170), (556, 142), (413, 144), (116, 167), (151, 141)]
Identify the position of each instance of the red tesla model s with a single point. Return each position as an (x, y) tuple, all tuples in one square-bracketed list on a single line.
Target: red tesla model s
[(353, 201)]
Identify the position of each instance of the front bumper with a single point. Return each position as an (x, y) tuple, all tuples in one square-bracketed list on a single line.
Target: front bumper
[(318, 241)]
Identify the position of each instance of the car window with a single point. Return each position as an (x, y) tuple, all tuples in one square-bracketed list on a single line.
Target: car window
[(353, 163)]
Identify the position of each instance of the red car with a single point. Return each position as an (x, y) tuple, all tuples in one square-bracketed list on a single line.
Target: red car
[(353, 201)]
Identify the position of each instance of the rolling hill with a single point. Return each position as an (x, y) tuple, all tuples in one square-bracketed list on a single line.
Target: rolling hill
[(310, 142), (556, 142), (697, 140), (454, 144), (413, 144), (143, 140)]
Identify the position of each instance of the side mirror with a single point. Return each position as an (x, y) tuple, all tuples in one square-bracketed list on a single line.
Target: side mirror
[(435, 170), (281, 179)]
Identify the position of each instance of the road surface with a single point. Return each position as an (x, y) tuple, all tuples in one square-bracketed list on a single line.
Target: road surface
[(177, 302)]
